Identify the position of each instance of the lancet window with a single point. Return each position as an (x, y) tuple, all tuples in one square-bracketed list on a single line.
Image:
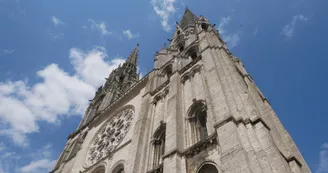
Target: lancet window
[(198, 122), (158, 146)]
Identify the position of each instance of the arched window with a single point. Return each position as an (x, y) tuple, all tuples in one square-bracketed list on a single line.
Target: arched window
[(121, 79), (204, 26), (178, 33), (119, 169), (198, 122), (168, 71), (208, 168), (192, 53), (181, 48), (158, 145), (100, 169)]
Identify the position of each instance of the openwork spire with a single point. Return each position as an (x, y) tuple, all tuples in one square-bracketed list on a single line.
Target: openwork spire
[(133, 57), (188, 18)]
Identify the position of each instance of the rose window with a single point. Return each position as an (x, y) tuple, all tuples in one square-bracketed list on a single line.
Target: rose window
[(109, 136)]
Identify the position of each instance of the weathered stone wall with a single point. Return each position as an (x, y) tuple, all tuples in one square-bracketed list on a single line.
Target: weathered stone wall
[(244, 133)]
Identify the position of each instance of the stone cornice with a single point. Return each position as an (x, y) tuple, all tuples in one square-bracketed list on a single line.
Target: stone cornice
[(201, 145), (158, 169), (160, 87), (244, 121), (193, 62), (194, 149)]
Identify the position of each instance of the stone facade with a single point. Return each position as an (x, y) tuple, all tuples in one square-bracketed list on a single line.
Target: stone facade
[(197, 111)]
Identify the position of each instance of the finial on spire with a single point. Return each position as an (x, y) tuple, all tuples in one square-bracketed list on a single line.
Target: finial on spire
[(133, 58)]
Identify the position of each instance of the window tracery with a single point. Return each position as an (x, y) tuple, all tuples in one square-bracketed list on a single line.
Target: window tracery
[(109, 136), (197, 116), (158, 146)]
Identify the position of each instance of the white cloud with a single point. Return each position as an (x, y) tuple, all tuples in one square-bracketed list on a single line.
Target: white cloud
[(43, 165), (323, 159), (255, 31), (223, 22), (7, 51), (164, 8), (232, 39), (23, 106), (101, 27), (55, 37), (56, 21), (130, 35), (288, 30), (41, 161), (2, 147), (8, 160)]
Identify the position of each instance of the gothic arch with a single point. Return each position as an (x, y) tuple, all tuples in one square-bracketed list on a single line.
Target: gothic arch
[(197, 122), (196, 105), (99, 168), (207, 167), (158, 146), (193, 51), (167, 70), (195, 69), (118, 167), (159, 130)]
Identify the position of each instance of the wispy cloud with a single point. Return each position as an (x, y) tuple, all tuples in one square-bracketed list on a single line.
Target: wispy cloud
[(2, 146), (164, 9), (130, 35), (55, 37), (101, 27), (23, 106), (289, 29), (233, 38), (8, 159), (223, 22), (323, 159), (38, 166), (41, 161), (7, 51), (256, 30), (56, 21)]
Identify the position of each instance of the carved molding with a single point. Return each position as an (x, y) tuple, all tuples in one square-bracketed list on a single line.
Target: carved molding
[(201, 145), (158, 169)]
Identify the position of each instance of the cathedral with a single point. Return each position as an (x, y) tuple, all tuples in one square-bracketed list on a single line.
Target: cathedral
[(197, 111)]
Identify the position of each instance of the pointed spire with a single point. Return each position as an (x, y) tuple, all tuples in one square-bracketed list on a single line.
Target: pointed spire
[(188, 18), (133, 58)]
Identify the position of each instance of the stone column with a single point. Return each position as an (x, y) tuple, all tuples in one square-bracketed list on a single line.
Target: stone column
[(174, 137)]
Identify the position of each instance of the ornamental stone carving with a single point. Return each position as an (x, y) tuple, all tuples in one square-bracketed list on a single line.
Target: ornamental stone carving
[(109, 136)]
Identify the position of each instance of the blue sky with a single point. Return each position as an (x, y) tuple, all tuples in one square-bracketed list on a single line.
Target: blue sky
[(55, 53)]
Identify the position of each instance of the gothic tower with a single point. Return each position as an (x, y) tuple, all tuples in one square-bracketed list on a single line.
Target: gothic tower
[(197, 111)]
